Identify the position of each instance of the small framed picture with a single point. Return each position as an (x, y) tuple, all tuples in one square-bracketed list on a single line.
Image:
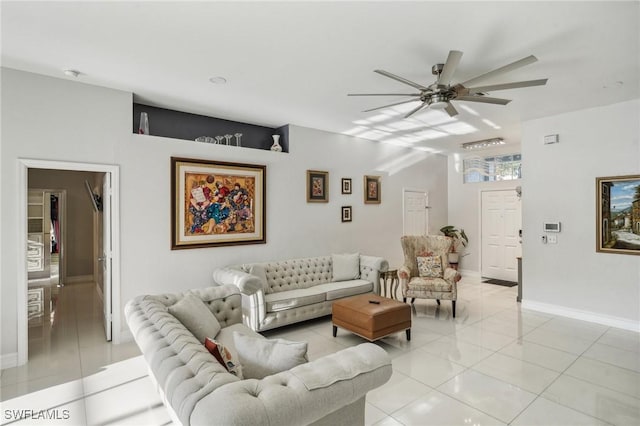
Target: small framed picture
[(317, 186), (346, 185), (346, 213), (372, 190)]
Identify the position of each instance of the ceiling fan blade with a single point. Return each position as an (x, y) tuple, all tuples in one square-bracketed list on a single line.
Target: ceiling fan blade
[(510, 67), (506, 86), (451, 110), (413, 111), (449, 67), (400, 79), (390, 105), (483, 99), (383, 94)]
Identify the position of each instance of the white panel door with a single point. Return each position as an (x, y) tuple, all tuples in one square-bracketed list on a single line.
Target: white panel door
[(416, 213), (501, 222)]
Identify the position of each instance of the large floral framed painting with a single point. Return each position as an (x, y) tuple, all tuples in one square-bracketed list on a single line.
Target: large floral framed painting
[(618, 212), (216, 203)]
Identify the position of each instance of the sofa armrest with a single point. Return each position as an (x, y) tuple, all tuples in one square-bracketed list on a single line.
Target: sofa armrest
[(370, 268), (284, 399), (373, 262), (247, 283)]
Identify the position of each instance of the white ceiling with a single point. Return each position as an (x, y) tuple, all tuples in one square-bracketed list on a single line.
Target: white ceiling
[(293, 62)]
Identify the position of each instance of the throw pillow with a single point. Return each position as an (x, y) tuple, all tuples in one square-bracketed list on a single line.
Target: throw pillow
[(259, 271), (430, 266), (223, 355), (345, 266), (195, 316), (261, 357)]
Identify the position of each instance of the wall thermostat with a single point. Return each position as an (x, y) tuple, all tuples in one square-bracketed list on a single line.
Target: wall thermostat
[(551, 227), (549, 139)]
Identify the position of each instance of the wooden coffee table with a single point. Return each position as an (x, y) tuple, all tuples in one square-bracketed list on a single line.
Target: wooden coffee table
[(372, 321)]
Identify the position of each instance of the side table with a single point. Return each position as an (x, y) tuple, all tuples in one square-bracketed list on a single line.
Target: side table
[(389, 277)]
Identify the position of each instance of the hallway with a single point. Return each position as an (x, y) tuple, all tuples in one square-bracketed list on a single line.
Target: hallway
[(66, 343)]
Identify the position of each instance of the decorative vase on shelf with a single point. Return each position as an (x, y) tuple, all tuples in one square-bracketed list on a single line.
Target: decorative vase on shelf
[(276, 144), (143, 127)]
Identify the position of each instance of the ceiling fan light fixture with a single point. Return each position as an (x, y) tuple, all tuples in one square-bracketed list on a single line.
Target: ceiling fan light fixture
[(485, 143), (438, 101), (438, 105)]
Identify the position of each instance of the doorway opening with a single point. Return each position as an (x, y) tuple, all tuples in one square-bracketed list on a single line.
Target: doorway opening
[(66, 240)]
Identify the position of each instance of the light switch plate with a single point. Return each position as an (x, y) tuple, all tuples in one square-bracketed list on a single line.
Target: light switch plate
[(552, 239)]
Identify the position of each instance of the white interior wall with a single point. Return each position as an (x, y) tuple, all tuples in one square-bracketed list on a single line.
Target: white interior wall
[(295, 228), (56, 119), (52, 119), (559, 184)]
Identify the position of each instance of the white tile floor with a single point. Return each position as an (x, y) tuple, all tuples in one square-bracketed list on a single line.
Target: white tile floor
[(494, 364)]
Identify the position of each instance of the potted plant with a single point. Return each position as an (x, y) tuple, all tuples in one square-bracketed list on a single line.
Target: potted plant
[(459, 238)]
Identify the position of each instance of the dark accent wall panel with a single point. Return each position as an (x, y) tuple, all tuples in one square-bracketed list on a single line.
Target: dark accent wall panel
[(182, 125)]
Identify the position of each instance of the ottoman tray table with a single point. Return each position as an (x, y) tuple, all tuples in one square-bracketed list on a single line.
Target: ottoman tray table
[(371, 316)]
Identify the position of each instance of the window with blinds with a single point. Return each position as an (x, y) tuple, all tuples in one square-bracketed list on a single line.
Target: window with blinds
[(491, 169)]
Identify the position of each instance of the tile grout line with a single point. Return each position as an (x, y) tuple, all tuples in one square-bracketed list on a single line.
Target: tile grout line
[(559, 376)]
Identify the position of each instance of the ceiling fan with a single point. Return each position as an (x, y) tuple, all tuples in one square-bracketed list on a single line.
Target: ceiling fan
[(440, 94)]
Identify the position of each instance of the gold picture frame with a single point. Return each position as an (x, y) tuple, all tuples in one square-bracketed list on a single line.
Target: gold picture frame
[(216, 203), (618, 214), (372, 190), (317, 186)]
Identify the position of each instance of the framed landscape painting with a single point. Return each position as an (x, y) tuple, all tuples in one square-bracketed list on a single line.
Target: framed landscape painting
[(372, 190), (216, 203), (618, 214), (317, 186)]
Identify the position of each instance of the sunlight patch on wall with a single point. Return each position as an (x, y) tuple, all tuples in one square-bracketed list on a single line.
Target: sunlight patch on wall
[(399, 163), (490, 123)]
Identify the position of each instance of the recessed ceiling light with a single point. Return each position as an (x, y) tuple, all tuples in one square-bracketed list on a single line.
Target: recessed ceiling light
[(71, 73), (218, 80)]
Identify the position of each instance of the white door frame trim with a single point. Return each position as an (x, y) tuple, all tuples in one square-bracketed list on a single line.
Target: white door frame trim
[(24, 165)]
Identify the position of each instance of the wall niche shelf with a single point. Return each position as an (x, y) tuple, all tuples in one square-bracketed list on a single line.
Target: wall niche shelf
[(183, 125)]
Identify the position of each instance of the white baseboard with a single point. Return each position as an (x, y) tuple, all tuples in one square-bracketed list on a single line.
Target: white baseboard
[(582, 315), (79, 279), (9, 360)]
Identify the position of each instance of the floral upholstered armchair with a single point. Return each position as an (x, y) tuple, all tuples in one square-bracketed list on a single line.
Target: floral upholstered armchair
[(426, 273)]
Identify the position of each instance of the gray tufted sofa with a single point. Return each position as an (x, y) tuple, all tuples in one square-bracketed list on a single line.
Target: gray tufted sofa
[(197, 390), (297, 289)]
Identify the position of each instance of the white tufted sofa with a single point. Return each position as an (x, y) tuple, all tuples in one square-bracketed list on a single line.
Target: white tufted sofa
[(297, 289), (197, 390)]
